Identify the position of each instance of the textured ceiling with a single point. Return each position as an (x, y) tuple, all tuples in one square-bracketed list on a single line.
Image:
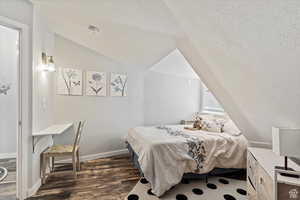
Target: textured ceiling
[(133, 32)]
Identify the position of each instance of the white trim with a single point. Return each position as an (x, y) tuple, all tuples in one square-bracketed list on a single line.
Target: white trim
[(212, 109), (98, 155), (33, 190), (8, 155), (259, 144), (221, 113), (24, 107), (104, 155)]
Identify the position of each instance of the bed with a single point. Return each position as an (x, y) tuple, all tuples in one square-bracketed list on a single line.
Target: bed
[(164, 154)]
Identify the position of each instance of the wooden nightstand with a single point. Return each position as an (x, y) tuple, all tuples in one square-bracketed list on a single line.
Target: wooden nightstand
[(261, 179)]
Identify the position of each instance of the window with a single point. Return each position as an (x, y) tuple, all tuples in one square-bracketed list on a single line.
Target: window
[(209, 102)]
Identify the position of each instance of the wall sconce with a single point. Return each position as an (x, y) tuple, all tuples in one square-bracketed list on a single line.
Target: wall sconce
[(48, 63)]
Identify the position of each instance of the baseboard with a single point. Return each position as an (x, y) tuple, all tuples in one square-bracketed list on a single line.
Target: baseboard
[(265, 145), (99, 155), (34, 188), (8, 155)]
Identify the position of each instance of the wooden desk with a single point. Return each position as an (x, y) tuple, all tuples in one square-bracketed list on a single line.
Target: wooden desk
[(53, 130)]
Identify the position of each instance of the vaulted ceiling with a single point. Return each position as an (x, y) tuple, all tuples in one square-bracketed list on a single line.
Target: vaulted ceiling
[(134, 32), (246, 52)]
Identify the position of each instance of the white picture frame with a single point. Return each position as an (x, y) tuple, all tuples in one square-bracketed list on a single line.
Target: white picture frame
[(118, 84), (69, 82), (95, 83)]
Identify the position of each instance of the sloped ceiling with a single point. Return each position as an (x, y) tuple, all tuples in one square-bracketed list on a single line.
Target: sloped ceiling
[(250, 49), (133, 32)]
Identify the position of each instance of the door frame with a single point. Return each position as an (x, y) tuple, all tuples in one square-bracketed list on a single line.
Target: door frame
[(24, 104)]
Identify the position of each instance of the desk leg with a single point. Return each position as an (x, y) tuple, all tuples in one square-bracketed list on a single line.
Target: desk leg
[(33, 144), (44, 168)]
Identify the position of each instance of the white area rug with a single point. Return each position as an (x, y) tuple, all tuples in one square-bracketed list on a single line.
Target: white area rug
[(217, 189)]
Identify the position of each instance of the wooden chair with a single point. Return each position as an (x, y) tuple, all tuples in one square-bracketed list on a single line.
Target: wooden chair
[(63, 151)]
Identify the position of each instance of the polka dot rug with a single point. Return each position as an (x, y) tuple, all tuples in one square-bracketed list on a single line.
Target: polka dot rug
[(217, 188)]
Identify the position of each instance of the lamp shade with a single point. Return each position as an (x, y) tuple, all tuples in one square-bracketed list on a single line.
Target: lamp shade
[(47, 63), (286, 141)]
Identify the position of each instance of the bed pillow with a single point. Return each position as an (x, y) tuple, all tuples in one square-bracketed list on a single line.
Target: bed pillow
[(207, 116), (211, 125), (231, 128)]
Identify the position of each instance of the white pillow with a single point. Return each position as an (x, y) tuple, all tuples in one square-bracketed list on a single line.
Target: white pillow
[(212, 125), (208, 116), (231, 128)]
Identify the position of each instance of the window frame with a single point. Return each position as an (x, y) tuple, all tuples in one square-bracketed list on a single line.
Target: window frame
[(205, 109)]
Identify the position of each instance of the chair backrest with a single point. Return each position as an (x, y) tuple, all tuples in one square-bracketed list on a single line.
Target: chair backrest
[(78, 134)]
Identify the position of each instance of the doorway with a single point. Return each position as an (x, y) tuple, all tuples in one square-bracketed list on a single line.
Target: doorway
[(9, 109), (15, 109)]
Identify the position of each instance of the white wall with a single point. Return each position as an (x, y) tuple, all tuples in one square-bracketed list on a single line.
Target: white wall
[(108, 118), (170, 99), (172, 91), (43, 91), (9, 60), (174, 64)]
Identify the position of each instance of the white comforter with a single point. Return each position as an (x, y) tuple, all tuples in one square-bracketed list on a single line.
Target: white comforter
[(165, 154)]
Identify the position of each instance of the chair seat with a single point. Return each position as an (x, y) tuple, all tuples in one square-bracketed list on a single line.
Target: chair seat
[(60, 149)]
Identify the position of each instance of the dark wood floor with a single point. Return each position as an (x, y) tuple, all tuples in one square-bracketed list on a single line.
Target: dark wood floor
[(102, 179)]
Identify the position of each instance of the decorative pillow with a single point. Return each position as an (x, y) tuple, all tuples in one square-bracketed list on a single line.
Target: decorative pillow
[(213, 125), (231, 128), (209, 116)]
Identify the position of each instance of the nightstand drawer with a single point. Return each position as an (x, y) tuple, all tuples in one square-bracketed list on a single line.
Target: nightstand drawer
[(252, 170), (264, 181), (264, 185)]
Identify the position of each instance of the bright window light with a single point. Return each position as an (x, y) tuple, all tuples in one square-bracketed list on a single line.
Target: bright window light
[(209, 102)]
